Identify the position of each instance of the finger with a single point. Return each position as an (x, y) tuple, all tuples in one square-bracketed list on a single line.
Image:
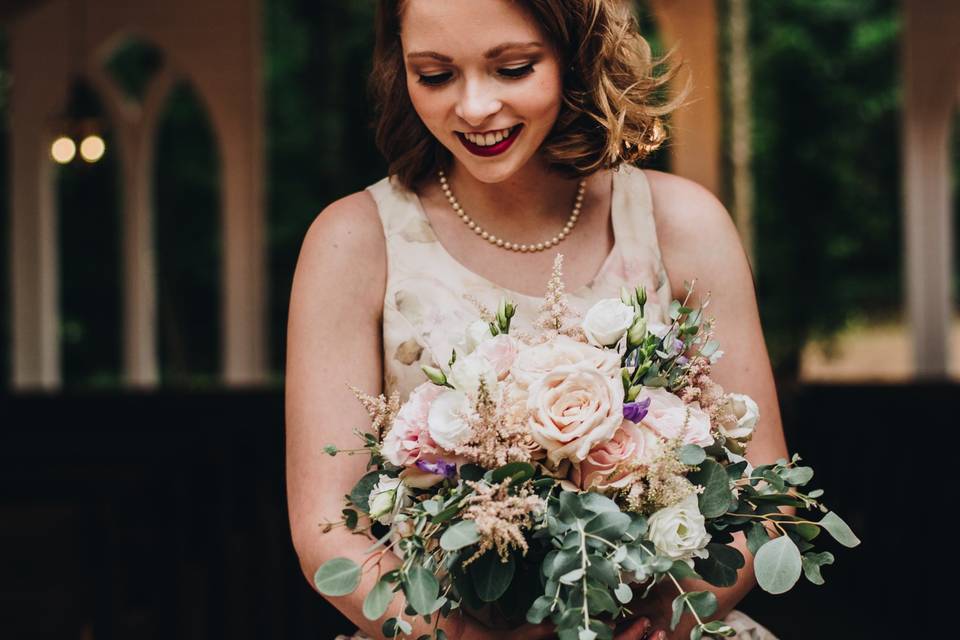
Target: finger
[(636, 630)]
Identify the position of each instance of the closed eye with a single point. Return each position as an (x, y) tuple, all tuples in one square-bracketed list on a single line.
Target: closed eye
[(517, 72), (434, 80)]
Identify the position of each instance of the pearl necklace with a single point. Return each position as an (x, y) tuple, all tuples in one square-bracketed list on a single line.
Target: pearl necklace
[(514, 246)]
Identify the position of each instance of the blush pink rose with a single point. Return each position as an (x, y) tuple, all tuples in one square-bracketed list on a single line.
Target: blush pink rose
[(669, 417), (631, 443), (500, 352), (573, 408), (405, 442)]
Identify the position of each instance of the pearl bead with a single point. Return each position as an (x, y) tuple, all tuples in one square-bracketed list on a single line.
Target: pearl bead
[(562, 235), (523, 248), (539, 246), (472, 224), (499, 242), (485, 235)]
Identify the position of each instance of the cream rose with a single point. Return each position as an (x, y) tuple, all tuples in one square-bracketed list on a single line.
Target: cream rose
[(532, 363), (500, 352), (410, 434), (670, 417), (447, 419), (631, 443), (679, 531), (606, 322), (573, 408)]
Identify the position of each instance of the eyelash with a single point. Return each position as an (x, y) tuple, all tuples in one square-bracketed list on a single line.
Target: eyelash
[(513, 73)]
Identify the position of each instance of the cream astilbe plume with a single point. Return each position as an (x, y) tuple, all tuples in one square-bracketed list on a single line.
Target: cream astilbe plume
[(499, 433), (501, 517), (555, 311), (382, 410)]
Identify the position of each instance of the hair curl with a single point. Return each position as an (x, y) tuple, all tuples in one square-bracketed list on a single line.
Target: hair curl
[(610, 111)]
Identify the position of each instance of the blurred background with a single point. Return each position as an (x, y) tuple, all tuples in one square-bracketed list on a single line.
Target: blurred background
[(161, 162)]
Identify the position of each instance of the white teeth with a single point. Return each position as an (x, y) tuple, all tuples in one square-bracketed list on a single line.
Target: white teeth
[(485, 140)]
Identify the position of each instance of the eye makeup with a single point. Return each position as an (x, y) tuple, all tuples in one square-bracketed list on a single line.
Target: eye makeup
[(437, 79)]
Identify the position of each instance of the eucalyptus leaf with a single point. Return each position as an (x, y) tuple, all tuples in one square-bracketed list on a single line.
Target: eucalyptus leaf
[(490, 576), (678, 604), (604, 571), (839, 529), (360, 494), (422, 589), (608, 525), (598, 503), (715, 499), (600, 600), (378, 600), (720, 567), (777, 565), (539, 610), (624, 593), (571, 508), (518, 471), (703, 602), (337, 577), (571, 576), (812, 563), (460, 535), (692, 454), (681, 571), (797, 476), (757, 536)]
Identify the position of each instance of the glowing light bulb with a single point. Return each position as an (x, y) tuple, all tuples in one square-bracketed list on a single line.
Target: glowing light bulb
[(63, 150), (92, 148)]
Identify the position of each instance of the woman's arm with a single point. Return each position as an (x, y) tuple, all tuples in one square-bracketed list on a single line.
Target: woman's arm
[(698, 241), (334, 339)]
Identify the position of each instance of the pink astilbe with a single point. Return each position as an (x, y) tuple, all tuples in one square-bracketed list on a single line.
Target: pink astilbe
[(499, 433), (382, 410), (555, 312), (501, 517)]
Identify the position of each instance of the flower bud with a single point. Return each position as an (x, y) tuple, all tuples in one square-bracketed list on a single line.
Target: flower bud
[(626, 297), (637, 332), (641, 296), (435, 375)]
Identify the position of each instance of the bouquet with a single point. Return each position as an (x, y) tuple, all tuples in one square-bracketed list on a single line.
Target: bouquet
[(562, 472)]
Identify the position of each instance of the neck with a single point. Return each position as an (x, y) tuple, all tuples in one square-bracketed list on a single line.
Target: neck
[(524, 203)]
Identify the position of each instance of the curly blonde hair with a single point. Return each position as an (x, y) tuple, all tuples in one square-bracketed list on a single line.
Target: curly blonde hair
[(611, 110)]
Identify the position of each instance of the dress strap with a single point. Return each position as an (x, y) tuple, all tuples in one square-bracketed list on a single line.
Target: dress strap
[(634, 225)]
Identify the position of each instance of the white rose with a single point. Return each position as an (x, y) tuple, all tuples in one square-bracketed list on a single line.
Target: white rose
[(573, 408), (387, 498), (607, 321), (466, 373), (447, 419), (658, 329), (679, 531), (532, 363), (747, 413), (500, 352)]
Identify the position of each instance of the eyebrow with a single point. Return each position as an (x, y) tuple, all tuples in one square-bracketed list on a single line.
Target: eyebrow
[(488, 54)]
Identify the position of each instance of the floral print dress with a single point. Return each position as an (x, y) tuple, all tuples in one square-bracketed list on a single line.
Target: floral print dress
[(428, 295)]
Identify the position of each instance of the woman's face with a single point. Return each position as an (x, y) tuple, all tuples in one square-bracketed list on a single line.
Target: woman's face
[(476, 70)]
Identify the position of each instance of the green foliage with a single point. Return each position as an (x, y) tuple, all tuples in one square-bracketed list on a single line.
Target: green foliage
[(826, 130), (337, 577), (777, 565)]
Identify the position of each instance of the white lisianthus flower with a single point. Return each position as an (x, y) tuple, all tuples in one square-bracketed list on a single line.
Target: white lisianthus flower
[(447, 419), (477, 332), (466, 373), (607, 321), (747, 413), (387, 498), (679, 531)]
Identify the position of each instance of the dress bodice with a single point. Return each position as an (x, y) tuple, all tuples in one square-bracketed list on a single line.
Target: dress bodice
[(427, 303)]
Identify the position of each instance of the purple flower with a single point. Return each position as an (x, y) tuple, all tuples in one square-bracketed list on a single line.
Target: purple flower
[(634, 411), (682, 360), (440, 468)]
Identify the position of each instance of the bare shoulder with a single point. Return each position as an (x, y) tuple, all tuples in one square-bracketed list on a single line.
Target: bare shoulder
[(697, 237), (344, 251)]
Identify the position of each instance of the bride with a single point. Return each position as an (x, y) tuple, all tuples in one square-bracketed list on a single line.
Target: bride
[(512, 129)]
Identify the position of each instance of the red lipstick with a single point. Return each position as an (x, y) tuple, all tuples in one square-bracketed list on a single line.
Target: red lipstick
[(493, 149)]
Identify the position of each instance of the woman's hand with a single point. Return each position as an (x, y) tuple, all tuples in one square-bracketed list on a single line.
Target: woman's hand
[(657, 608)]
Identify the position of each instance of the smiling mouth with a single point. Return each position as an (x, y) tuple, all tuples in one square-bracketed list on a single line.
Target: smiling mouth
[(493, 149)]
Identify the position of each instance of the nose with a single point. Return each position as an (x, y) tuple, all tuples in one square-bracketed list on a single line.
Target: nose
[(477, 103)]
